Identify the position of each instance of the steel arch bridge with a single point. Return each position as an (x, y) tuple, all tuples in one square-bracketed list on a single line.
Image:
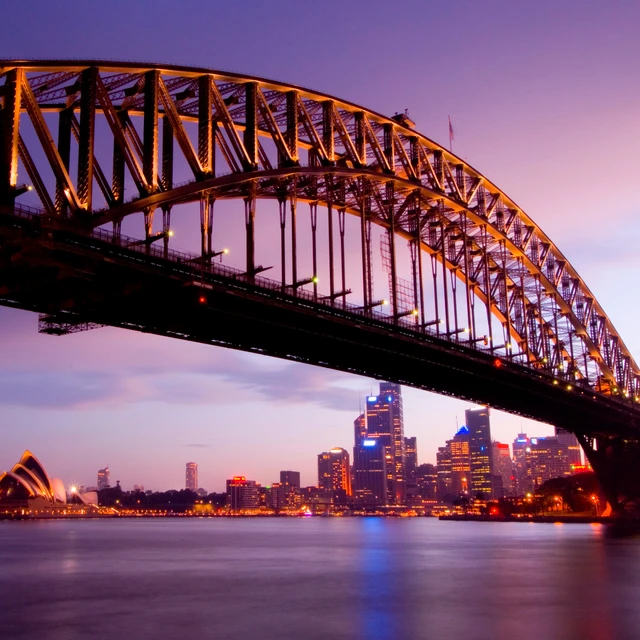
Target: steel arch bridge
[(486, 307)]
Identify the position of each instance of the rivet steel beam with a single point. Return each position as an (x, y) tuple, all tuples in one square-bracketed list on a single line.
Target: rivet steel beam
[(9, 135), (87, 131), (206, 134), (150, 129)]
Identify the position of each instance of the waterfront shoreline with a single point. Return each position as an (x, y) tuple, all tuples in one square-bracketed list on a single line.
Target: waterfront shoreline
[(564, 519)]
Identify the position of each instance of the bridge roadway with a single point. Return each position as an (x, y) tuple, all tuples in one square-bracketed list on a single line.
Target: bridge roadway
[(78, 280)]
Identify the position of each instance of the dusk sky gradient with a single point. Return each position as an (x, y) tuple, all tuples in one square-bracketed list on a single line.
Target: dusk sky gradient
[(545, 101)]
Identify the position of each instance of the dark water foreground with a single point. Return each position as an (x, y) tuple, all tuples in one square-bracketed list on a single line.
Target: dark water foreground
[(316, 578)]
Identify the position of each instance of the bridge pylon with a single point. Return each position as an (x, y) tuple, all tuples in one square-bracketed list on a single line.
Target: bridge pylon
[(616, 463)]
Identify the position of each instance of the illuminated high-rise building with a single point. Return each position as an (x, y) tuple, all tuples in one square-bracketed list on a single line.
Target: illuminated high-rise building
[(103, 478), (453, 466), (502, 470), (370, 472), (192, 476), (290, 482), (275, 496), (360, 428), (243, 493), (481, 478), (546, 459), (427, 481), (334, 473), (445, 481), (290, 479), (570, 443), (410, 459), (383, 421), (520, 446), (460, 468)]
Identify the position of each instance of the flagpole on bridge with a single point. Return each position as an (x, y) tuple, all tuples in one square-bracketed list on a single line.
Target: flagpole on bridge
[(451, 137)]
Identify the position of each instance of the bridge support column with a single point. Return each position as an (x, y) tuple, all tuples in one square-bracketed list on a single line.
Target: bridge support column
[(87, 135), (250, 218), (443, 251), (313, 211), (117, 181), (434, 275), (390, 196), (64, 149), (343, 267), (487, 279), (419, 290), (9, 137), (206, 224), (616, 463), (282, 208), (471, 321), (148, 226), (166, 229), (365, 240), (331, 273), (294, 246)]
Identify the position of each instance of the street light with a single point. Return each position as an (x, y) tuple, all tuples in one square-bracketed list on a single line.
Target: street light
[(560, 503), (596, 501)]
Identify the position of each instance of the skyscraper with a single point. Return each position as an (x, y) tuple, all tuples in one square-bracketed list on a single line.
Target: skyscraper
[(520, 446), (103, 478), (243, 493), (570, 443), (383, 422), (546, 459), (453, 466), (459, 455), (427, 481), (334, 473), (480, 452), (290, 482), (290, 479), (370, 472), (192, 476), (445, 481), (502, 470), (275, 496), (410, 459)]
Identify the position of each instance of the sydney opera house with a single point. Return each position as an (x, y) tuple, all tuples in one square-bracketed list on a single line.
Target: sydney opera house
[(28, 485)]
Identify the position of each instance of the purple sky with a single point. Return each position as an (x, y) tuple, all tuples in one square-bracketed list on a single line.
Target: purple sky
[(544, 99)]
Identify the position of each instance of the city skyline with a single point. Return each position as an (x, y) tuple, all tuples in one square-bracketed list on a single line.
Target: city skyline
[(114, 394), (333, 461)]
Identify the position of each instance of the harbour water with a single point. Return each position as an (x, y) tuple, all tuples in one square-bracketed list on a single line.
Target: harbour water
[(316, 578)]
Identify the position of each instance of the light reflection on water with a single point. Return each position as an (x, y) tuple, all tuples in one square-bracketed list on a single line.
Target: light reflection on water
[(324, 578)]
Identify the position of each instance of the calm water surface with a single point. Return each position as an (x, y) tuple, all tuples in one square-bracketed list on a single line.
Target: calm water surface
[(324, 578)]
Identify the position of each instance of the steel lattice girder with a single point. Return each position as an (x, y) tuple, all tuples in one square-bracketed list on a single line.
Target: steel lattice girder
[(466, 223)]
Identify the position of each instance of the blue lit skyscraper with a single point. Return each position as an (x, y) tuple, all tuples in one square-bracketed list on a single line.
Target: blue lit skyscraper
[(370, 472), (383, 423), (480, 459)]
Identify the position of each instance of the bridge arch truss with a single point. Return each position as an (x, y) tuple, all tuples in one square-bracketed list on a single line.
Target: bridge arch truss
[(249, 138)]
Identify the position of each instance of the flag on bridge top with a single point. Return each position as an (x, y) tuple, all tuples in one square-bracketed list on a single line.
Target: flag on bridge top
[(451, 136)]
